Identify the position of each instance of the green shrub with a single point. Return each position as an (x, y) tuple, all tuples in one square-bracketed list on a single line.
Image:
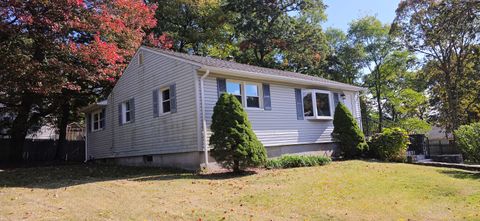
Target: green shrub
[(290, 161), (235, 145), (390, 145), (347, 133), (468, 141)]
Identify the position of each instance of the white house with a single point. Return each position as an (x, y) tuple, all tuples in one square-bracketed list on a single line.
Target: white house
[(159, 112)]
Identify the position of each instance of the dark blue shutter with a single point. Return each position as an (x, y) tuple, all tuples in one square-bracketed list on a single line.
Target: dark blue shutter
[(89, 121), (173, 98), (221, 86), (335, 100), (120, 122), (267, 102), (155, 102), (132, 110), (299, 103), (103, 122)]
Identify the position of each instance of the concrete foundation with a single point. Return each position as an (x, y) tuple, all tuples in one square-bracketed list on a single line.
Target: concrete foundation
[(324, 149), (195, 160)]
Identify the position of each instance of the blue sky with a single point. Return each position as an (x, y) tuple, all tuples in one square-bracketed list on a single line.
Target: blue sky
[(341, 12)]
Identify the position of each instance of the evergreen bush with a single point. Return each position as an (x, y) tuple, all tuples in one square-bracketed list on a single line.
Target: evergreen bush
[(235, 145), (347, 133)]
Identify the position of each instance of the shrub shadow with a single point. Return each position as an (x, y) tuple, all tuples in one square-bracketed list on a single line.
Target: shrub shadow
[(53, 177), (459, 174)]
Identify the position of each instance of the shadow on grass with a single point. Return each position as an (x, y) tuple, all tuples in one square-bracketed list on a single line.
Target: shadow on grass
[(462, 174), (53, 177)]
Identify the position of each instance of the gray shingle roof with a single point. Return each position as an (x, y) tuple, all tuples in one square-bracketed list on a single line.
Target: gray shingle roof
[(218, 63)]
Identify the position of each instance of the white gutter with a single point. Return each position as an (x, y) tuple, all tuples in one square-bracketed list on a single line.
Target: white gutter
[(255, 75), (204, 121)]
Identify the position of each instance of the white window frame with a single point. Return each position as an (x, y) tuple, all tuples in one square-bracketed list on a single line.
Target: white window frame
[(243, 92), (259, 95), (124, 112), (314, 104), (160, 103), (92, 124)]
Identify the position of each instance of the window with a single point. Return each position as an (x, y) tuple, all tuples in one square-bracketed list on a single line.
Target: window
[(317, 104), (98, 120), (127, 112), (307, 104), (323, 104), (253, 98), (235, 88), (247, 93), (165, 100)]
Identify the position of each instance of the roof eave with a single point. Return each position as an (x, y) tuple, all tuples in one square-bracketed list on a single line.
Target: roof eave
[(234, 72), (93, 106)]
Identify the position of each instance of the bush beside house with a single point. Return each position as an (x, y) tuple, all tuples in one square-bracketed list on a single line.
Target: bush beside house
[(468, 141), (235, 144), (347, 133), (290, 161), (390, 145)]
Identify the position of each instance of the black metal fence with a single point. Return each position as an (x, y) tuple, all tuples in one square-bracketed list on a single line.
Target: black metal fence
[(38, 151)]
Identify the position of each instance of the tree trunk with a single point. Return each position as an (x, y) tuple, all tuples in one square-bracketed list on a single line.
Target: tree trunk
[(19, 129), (236, 166), (379, 107), (62, 126)]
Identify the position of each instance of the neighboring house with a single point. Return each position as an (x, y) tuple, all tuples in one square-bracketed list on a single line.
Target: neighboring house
[(160, 110), (437, 135)]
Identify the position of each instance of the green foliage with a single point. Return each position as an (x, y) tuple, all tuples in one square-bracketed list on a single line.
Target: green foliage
[(195, 26), (235, 145), (468, 140), (347, 133), (290, 161), (390, 145), (415, 125), (446, 33)]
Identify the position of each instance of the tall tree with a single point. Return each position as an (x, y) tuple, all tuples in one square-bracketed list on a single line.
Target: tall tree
[(198, 27), (282, 34), (65, 50), (377, 45), (345, 60), (446, 32)]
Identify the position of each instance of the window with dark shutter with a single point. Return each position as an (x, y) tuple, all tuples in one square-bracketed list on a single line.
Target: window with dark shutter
[(221, 86)]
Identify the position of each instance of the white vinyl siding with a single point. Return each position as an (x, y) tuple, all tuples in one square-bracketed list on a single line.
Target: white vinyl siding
[(280, 125), (169, 133)]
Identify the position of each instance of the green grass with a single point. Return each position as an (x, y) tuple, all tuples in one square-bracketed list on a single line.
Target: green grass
[(349, 190)]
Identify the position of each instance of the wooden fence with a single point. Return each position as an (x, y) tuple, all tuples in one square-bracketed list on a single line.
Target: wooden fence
[(36, 151)]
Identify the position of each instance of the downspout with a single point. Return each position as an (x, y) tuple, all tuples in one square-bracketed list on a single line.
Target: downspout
[(204, 121)]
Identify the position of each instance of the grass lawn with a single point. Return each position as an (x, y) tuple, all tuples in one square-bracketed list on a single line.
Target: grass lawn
[(350, 190)]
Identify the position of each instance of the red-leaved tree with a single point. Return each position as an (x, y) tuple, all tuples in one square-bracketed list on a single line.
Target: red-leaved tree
[(58, 55)]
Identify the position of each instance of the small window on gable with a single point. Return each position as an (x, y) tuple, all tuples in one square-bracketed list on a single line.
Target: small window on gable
[(140, 58), (317, 104), (235, 88), (98, 120), (165, 100), (127, 112)]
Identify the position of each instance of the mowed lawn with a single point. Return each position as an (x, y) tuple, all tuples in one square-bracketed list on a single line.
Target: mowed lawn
[(350, 190)]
